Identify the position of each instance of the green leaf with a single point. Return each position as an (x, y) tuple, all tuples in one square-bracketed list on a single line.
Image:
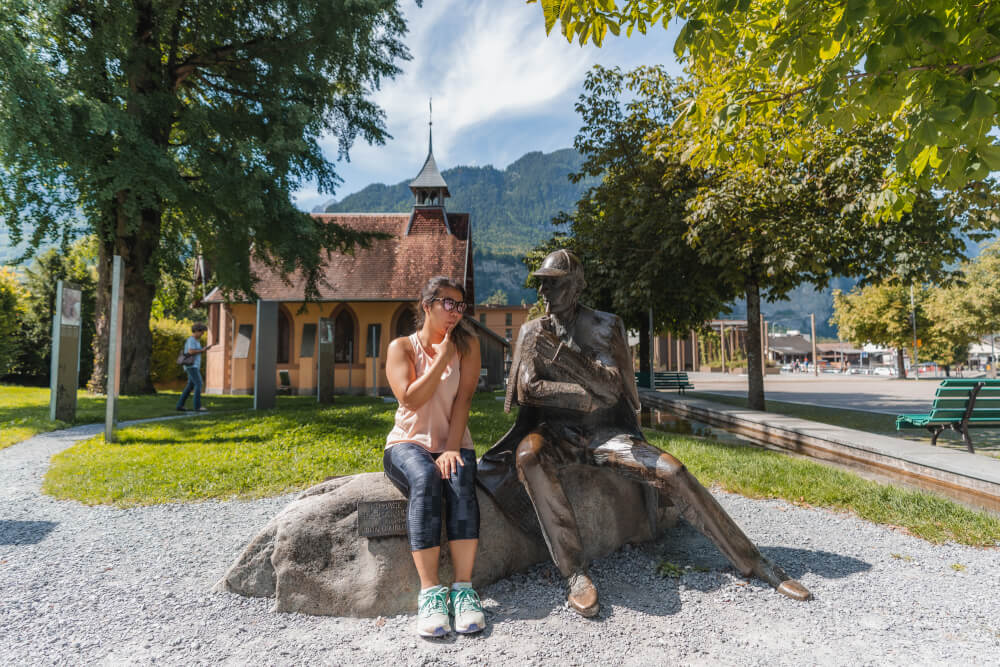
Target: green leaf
[(990, 155), (920, 163), (829, 50), (977, 104)]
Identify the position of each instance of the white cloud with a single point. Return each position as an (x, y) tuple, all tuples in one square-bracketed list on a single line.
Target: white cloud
[(481, 62)]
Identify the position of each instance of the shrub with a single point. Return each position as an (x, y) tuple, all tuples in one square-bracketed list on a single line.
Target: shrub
[(12, 306), (168, 341)]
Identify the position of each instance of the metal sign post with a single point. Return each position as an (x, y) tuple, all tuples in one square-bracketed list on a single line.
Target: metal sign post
[(114, 349), (266, 356)]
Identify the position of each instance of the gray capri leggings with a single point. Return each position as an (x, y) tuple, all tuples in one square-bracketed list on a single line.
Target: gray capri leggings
[(411, 469)]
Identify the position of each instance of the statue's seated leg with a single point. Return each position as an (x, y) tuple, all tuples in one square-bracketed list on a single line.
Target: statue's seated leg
[(555, 514), (642, 461)]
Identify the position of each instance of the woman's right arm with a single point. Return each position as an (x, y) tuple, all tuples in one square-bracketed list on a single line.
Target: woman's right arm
[(412, 392)]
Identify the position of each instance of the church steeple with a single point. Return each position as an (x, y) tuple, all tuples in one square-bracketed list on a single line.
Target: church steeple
[(429, 188)]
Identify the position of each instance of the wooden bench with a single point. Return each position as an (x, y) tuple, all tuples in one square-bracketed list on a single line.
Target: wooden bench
[(666, 380), (959, 405)]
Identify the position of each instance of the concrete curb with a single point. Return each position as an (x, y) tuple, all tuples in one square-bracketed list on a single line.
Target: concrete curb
[(969, 478)]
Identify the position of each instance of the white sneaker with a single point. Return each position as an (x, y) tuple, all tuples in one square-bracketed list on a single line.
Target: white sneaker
[(432, 613), (468, 610)]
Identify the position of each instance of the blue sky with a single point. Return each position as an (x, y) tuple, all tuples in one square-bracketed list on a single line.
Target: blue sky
[(501, 88)]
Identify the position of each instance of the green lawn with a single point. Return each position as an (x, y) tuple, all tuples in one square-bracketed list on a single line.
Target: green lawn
[(24, 411), (249, 455)]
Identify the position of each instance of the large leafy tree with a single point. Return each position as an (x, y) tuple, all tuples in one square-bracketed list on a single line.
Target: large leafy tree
[(927, 70), (153, 123), (629, 228), (881, 314)]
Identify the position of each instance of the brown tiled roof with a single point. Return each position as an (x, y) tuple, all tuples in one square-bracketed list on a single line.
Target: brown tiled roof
[(391, 270)]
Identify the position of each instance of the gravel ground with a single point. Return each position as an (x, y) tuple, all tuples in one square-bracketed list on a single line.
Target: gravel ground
[(97, 585)]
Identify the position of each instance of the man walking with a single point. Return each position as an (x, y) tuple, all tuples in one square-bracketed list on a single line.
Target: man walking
[(194, 351)]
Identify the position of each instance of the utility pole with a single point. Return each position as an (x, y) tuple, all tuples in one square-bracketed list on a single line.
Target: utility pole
[(722, 345), (913, 316), (812, 324), (993, 356)]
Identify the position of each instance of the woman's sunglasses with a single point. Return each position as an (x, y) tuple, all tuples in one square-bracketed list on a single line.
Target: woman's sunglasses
[(450, 304)]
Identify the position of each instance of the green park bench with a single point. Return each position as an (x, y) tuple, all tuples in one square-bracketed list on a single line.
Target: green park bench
[(959, 405), (665, 380)]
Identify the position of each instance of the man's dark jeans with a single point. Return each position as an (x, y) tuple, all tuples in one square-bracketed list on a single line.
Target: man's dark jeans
[(194, 384)]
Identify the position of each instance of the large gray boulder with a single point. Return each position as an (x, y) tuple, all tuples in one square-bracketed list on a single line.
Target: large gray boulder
[(311, 560)]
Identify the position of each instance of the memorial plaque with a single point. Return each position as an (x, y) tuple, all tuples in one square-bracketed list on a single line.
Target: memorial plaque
[(64, 372), (243, 337), (386, 518)]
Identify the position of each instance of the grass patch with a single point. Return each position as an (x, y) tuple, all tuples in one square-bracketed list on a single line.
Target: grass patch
[(246, 455), (250, 455), (24, 411)]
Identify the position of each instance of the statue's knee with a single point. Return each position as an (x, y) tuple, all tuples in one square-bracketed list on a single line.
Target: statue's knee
[(669, 467), (529, 450)]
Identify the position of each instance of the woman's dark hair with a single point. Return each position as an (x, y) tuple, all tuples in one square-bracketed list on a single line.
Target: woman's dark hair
[(461, 335), (198, 326)]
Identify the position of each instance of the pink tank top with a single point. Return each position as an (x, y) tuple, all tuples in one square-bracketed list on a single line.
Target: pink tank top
[(428, 425)]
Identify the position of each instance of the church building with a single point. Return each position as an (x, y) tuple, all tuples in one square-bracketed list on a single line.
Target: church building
[(371, 296)]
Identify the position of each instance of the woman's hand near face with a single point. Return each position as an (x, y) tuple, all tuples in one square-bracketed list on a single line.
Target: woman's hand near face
[(445, 349), (449, 463)]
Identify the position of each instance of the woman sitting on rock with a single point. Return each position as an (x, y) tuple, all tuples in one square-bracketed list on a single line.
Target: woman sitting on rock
[(429, 454)]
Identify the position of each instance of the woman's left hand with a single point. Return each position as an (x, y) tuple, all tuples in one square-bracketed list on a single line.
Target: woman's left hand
[(448, 463)]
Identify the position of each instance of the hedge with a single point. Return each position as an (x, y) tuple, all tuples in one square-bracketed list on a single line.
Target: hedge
[(168, 341)]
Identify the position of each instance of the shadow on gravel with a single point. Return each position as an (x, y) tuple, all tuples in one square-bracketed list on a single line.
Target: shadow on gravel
[(639, 577), (24, 532), (685, 546)]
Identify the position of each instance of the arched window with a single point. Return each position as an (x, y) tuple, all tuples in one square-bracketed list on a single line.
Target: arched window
[(284, 337), (406, 322), (345, 348)]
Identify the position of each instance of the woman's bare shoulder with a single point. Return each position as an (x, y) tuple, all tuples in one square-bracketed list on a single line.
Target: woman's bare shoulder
[(401, 344)]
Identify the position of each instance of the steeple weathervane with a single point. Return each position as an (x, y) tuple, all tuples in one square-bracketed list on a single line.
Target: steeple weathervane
[(430, 126)]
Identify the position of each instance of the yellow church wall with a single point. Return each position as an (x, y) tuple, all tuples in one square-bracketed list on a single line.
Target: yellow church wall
[(355, 377)]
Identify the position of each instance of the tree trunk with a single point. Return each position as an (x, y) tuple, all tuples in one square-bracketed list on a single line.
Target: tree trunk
[(755, 360), (98, 382), (644, 345), (900, 365), (137, 251)]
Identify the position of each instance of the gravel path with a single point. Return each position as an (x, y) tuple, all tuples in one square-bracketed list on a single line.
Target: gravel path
[(96, 585)]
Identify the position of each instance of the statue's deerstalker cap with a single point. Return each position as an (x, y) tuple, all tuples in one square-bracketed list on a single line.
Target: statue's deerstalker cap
[(559, 263)]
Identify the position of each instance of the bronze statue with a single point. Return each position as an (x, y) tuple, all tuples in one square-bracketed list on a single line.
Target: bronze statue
[(573, 380)]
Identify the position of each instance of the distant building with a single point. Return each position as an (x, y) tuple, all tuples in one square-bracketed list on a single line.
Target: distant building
[(371, 296), (504, 321)]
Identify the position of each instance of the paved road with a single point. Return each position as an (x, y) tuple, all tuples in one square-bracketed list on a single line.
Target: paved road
[(873, 394)]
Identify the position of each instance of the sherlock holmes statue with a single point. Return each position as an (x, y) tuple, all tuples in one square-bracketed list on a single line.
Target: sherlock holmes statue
[(572, 378)]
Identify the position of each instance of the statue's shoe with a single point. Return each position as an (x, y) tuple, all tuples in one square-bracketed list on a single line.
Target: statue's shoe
[(793, 589), (582, 596), (784, 584)]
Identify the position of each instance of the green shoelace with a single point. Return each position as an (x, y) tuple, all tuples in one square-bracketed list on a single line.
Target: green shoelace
[(466, 599), (433, 602)]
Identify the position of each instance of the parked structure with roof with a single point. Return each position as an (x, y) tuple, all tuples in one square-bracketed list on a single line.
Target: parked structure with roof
[(371, 295)]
